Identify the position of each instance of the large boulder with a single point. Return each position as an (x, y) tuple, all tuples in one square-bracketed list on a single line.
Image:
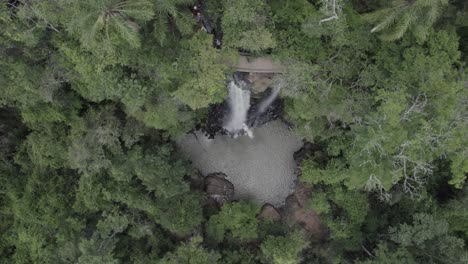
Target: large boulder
[(259, 82), (269, 212), (298, 213), (219, 188), (308, 150)]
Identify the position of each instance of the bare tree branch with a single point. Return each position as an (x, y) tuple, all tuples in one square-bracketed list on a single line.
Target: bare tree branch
[(412, 171), (417, 107), (335, 8), (374, 184)]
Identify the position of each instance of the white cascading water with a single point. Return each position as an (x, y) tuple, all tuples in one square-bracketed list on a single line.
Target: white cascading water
[(263, 106), (239, 104), (256, 119)]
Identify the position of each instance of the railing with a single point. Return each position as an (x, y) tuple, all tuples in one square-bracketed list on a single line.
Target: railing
[(260, 65)]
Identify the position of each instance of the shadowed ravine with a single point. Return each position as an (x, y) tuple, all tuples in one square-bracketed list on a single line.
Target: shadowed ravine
[(262, 169)]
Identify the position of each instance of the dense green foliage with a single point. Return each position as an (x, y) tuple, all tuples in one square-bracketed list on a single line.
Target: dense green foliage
[(93, 94)]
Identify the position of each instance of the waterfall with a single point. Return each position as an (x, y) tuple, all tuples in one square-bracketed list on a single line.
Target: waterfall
[(239, 104), (263, 106), (242, 116), (260, 113)]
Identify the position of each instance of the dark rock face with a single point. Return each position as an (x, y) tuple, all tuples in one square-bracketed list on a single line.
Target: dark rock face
[(308, 150), (269, 212), (259, 82), (273, 112), (219, 188), (212, 125)]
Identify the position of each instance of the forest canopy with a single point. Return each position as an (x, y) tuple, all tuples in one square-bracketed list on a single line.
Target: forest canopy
[(95, 93)]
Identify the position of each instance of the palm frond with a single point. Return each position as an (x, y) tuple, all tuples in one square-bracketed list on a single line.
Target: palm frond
[(418, 15), (387, 22), (184, 23), (166, 7), (376, 15), (126, 32), (141, 10), (161, 27), (399, 28), (89, 36), (434, 12)]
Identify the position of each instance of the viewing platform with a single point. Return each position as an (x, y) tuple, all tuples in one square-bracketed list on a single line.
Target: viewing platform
[(257, 65)]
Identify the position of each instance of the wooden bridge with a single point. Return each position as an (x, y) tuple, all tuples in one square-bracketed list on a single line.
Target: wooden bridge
[(258, 65)]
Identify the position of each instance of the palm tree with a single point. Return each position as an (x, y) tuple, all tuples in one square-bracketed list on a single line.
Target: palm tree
[(168, 10), (406, 15), (99, 20)]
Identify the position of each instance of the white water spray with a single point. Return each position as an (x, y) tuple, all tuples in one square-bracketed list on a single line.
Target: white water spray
[(239, 104), (263, 106)]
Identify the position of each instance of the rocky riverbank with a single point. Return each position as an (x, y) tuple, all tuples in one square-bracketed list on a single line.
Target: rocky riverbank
[(294, 212)]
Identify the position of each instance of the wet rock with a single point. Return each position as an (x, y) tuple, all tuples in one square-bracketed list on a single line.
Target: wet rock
[(269, 212), (302, 194), (213, 124), (219, 188), (273, 112), (259, 85), (259, 82)]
